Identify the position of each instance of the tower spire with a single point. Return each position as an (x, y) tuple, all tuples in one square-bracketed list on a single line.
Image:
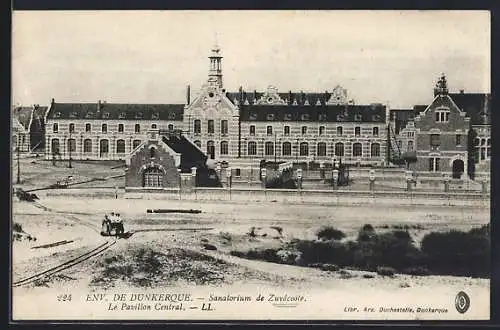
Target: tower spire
[(441, 86), (215, 69)]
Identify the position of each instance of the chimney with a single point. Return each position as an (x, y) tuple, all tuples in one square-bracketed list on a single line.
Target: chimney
[(53, 101), (188, 95), (461, 91), (99, 105)]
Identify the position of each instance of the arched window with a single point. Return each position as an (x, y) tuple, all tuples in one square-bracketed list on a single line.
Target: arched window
[(137, 128), (72, 128), (104, 128), (375, 149), (304, 149), (152, 177), (197, 126), (170, 127), (198, 143), (287, 149), (321, 151), (87, 145), (55, 128), (71, 145), (357, 150), (136, 143), (88, 128), (223, 127), (339, 149), (224, 148), (152, 152), (269, 149), (55, 146), (120, 146), (211, 149), (339, 131), (103, 148), (252, 148)]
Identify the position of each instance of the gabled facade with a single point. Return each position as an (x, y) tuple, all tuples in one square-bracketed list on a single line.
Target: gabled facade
[(441, 135)]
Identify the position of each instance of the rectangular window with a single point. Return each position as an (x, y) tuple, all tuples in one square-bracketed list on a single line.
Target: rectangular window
[(304, 130), (269, 130), (252, 129), (210, 128), (321, 130), (434, 141), (375, 131), (104, 128), (339, 131), (357, 131), (434, 164), (87, 128), (137, 128), (458, 140), (237, 172), (442, 116), (223, 127), (72, 128), (197, 126), (286, 130), (410, 145), (120, 128)]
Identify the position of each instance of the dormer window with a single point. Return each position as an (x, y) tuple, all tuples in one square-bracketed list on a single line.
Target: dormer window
[(155, 116), (138, 115), (376, 117), (304, 116), (171, 115), (322, 117), (340, 118), (288, 116), (270, 116), (358, 117), (73, 115), (122, 115), (89, 115), (253, 116), (105, 115), (57, 115)]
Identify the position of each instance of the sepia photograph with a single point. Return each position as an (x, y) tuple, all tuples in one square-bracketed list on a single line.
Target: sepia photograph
[(250, 165)]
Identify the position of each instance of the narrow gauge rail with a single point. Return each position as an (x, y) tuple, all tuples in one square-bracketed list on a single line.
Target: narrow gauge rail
[(65, 265)]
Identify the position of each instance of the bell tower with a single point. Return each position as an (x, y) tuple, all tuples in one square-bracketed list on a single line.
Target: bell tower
[(215, 70), (441, 86)]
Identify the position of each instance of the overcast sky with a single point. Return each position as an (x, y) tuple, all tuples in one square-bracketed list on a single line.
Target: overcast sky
[(150, 56)]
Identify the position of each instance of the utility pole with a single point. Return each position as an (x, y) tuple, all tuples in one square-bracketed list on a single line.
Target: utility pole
[(70, 145), (18, 163)]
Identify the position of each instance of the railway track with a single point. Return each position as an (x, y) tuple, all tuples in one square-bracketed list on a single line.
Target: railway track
[(72, 262), (65, 265)]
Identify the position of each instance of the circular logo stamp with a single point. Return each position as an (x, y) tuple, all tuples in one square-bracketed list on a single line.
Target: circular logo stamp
[(462, 302)]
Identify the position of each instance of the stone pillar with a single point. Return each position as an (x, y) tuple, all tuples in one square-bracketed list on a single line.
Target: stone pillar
[(372, 180), (446, 184), (484, 186), (229, 177), (409, 181), (263, 176), (299, 179), (335, 176)]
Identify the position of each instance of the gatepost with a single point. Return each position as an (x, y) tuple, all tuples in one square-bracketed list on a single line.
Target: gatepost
[(263, 175), (322, 170), (446, 184), (372, 180), (484, 186), (180, 183), (219, 171), (229, 180), (409, 179), (299, 179), (193, 180)]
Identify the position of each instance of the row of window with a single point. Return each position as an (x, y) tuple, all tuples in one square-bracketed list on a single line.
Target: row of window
[(104, 128), (321, 130), (435, 141), (286, 149), (308, 117), (482, 153), (87, 146), (211, 126)]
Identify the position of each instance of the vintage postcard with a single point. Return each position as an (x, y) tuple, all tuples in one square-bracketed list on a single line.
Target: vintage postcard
[(251, 165)]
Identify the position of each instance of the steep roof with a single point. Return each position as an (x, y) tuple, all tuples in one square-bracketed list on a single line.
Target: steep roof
[(121, 111), (317, 113), (299, 98), (476, 105), (40, 111), (23, 115)]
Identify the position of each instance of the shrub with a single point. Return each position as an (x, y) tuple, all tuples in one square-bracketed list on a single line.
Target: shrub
[(329, 267), (386, 271), (330, 233), (325, 252), (458, 253), (366, 233), (17, 227), (210, 247), (417, 271)]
